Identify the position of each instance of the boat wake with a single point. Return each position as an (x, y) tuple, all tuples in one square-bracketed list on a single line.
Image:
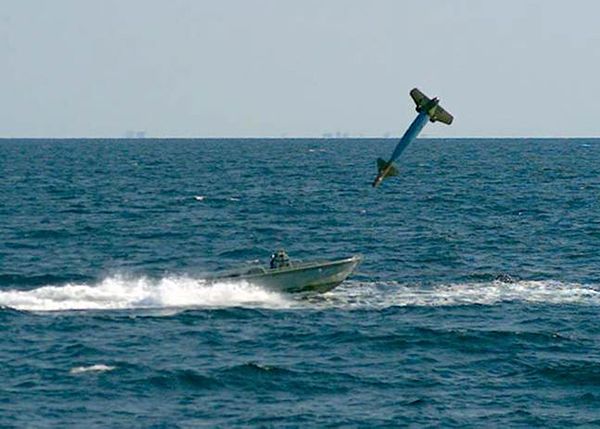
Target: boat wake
[(120, 292), (361, 295)]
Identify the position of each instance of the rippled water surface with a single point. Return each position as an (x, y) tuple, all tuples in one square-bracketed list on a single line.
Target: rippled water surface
[(476, 304)]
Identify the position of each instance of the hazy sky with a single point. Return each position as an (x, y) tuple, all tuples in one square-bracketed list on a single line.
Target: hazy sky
[(192, 68)]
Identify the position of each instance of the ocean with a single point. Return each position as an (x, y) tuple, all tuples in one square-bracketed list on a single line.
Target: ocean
[(476, 304)]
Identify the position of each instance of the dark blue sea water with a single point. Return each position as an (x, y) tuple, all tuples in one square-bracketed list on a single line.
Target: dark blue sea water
[(476, 306)]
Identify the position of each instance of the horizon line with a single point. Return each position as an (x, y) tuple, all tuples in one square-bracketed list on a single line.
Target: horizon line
[(290, 137)]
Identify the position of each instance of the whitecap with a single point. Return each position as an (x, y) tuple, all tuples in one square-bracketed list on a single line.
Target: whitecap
[(93, 368)]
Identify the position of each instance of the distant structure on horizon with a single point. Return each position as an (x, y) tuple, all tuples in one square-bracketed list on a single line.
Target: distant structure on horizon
[(130, 134), (336, 135), (344, 135)]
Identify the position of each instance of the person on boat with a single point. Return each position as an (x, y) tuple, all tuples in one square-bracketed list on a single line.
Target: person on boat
[(280, 259)]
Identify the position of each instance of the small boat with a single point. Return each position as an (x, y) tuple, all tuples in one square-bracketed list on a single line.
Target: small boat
[(288, 276)]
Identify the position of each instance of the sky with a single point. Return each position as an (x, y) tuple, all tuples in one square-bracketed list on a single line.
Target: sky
[(297, 68)]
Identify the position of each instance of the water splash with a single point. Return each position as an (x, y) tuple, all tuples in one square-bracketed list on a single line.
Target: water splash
[(119, 292)]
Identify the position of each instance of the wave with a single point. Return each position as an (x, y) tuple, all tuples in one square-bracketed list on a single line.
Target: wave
[(170, 380), (38, 280), (120, 292)]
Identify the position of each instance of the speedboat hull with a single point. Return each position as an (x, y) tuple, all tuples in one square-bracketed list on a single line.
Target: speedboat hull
[(321, 276)]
